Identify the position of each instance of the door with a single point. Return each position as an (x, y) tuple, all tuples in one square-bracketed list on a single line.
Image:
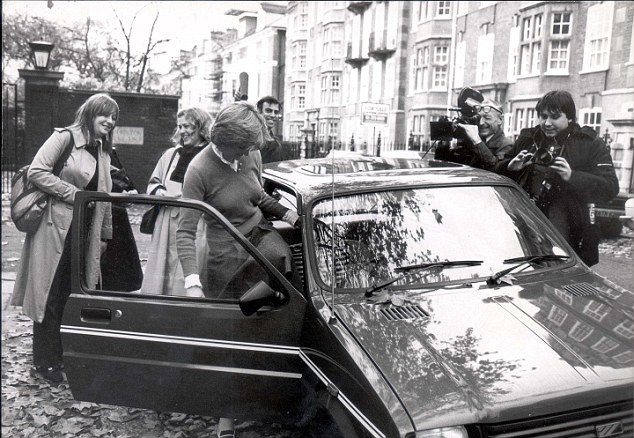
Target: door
[(154, 348)]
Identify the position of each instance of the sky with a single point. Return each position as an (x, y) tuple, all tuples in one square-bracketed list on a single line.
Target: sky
[(184, 22)]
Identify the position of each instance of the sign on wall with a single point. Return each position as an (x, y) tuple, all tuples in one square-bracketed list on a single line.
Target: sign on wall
[(374, 113), (128, 135)]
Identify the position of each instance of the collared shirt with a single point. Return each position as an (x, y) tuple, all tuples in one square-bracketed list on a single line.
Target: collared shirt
[(233, 164)]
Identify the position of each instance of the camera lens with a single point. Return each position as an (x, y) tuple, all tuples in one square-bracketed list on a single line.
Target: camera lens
[(544, 157)]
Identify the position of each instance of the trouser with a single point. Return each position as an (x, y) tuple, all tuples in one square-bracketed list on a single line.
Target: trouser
[(47, 341)]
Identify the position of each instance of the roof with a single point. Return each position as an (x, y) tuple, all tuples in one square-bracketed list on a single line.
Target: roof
[(313, 177)]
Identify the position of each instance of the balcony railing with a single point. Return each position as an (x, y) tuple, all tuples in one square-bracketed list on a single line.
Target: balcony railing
[(380, 48), (358, 7), (355, 60)]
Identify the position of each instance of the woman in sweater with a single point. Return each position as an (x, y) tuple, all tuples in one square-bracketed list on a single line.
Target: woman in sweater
[(227, 174)]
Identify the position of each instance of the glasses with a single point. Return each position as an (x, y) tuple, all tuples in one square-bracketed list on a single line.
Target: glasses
[(486, 109)]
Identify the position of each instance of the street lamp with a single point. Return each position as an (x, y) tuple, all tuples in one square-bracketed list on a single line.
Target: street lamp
[(41, 54)]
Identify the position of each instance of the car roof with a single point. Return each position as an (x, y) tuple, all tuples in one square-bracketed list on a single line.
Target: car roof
[(313, 177)]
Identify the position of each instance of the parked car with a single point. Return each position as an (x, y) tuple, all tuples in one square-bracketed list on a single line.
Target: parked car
[(430, 299), (608, 215)]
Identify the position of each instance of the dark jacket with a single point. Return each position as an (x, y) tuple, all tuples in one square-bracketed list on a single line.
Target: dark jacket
[(484, 155), (593, 180), (272, 151)]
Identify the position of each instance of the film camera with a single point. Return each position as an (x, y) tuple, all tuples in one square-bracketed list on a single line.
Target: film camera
[(445, 128), (538, 180)]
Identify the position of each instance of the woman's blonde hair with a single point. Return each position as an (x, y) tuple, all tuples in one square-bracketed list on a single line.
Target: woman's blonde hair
[(201, 120), (239, 124), (96, 105)]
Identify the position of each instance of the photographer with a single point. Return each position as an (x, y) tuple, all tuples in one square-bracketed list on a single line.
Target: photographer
[(484, 144), (564, 167)]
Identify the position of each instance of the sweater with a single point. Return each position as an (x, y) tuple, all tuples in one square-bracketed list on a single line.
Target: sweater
[(237, 195)]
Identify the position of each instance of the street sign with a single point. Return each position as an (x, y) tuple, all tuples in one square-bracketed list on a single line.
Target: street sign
[(128, 135), (374, 113)]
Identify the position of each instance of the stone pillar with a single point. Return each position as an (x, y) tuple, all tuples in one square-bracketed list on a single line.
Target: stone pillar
[(41, 105)]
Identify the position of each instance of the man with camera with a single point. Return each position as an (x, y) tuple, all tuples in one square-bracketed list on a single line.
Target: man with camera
[(565, 169), (481, 144)]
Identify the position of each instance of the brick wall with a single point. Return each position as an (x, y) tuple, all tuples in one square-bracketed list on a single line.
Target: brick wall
[(154, 113)]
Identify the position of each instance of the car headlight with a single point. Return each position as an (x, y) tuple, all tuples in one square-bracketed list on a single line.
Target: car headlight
[(442, 432)]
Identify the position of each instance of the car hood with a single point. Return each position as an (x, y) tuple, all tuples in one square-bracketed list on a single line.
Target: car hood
[(485, 355)]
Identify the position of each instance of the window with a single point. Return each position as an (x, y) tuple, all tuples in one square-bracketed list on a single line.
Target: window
[(596, 54), (417, 70), (443, 9), (591, 117), (559, 45), (440, 77), (303, 15), (624, 357), (561, 23), (557, 315), (298, 96), (330, 87), (580, 331), (332, 41), (625, 329), (484, 63), (441, 54), (333, 130), (513, 64), (604, 345), (530, 46), (596, 310), (558, 56), (519, 120), (301, 48)]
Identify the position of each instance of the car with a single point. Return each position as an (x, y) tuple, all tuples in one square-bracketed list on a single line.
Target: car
[(429, 299), (608, 215)]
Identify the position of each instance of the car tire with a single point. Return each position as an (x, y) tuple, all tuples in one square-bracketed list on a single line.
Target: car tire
[(610, 228)]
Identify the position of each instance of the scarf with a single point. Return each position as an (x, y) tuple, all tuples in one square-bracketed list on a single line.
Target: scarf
[(187, 154)]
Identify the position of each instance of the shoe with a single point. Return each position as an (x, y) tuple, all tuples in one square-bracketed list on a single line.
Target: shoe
[(226, 428), (52, 374)]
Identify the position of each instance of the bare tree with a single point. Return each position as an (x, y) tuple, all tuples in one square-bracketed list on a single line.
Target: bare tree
[(150, 47)]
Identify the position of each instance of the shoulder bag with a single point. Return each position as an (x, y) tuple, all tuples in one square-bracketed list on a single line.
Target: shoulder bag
[(28, 202), (148, 220)]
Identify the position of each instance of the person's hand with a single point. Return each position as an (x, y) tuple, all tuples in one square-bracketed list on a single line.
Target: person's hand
[(132, 192), (195, 292), (472, 133), (298, 223), (103, 246), (520, 161), (562, 168)]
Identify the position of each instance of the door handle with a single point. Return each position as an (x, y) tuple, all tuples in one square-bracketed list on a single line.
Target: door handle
[(96, 315)]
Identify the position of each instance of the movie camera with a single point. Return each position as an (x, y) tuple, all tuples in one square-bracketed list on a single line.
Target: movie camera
[(446, 128)]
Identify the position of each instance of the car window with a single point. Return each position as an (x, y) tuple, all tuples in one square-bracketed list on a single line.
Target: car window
[(155, 264), (375, 233)]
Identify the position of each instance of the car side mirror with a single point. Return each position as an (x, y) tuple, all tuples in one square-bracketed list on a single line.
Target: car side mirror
[(260, 295)]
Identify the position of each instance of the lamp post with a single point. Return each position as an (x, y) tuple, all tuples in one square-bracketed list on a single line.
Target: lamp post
[(41, 53), (41, 98)]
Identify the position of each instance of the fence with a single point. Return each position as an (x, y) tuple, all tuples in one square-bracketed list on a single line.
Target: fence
[(318, 149), (12, 133)]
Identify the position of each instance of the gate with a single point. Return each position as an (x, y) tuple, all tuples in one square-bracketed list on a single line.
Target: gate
[(12, 134)]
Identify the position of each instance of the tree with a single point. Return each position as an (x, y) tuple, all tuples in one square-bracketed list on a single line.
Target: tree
[(88, 53)]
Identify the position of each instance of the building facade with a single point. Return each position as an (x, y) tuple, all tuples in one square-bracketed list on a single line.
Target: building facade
[(362, 73)]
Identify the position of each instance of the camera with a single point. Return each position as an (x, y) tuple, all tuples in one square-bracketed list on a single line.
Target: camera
[(544, 155), (446, 128)]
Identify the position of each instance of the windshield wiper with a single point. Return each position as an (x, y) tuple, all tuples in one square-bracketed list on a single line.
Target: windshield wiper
[(522, 261), (407, 271)]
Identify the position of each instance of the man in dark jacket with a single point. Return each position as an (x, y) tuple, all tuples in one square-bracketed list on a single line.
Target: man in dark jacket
[(564, 168), (272, 151), (483, 145)]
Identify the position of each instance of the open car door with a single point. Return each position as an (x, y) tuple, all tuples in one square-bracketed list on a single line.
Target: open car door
[(143, 348)]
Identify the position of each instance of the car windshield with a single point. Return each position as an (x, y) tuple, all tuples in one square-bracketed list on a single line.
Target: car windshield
[(377, 233)]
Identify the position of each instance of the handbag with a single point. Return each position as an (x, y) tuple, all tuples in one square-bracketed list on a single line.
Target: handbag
[(148, 220), (28, 202)]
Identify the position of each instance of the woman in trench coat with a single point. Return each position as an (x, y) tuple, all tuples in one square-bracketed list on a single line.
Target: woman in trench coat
[(43, 279), (163, 271)]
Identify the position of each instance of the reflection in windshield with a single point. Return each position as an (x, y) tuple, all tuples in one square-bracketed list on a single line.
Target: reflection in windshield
[(375, 233)]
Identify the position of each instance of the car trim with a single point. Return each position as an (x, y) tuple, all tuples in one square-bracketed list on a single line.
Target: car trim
[(369, 426), (279, 349)]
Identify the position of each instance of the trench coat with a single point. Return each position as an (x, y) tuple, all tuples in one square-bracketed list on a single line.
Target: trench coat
[(42, 250)]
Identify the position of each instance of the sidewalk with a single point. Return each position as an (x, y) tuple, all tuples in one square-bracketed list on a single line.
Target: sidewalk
[(8, 280)]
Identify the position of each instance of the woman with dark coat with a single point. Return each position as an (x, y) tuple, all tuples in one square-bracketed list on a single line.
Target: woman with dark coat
[(564, 167), (43, 279)]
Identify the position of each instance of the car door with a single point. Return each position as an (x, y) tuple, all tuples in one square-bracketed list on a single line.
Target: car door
[(200, 356)]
